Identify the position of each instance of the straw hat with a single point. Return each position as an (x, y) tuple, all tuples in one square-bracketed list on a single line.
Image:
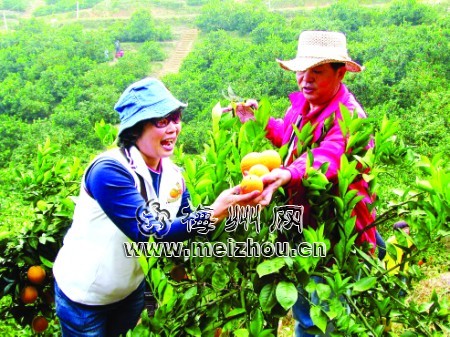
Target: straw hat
[(319, 47)]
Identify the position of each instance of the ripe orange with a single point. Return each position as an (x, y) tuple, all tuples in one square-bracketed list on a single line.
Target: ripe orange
[(258, 170), (249, 160), (251, 183), (178, 273), (39, 324), (271, 159), (218, 332), (36, 274), (29, 294)]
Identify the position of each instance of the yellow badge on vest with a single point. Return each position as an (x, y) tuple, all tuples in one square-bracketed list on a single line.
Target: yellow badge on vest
[(175, 193)]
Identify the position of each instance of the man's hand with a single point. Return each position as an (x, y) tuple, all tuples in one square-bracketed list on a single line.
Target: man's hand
[(244, 110), (272, 181)]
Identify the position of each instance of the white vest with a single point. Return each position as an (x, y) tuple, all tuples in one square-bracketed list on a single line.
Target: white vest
[(91, 267)]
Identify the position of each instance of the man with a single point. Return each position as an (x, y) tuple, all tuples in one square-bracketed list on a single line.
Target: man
[(320, 66)]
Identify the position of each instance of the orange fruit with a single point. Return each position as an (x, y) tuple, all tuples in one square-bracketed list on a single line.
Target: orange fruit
[(36, 274), (251, 183), (271, 159), (249, 160), (218, 332), (178, 273), (39, 324), (29, 294), (258, 170)]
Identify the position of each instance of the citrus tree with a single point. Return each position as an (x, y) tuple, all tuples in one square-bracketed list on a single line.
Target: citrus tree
[(28, 253), (246, 296)]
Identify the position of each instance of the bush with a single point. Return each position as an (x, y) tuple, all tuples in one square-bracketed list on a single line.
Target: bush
[(14, 5), (62, 6), (410, 12), (153, 51), (142, 27), (225, 15)]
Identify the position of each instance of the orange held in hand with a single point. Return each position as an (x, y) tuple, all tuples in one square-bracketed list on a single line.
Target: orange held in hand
[(36, 274), (249, 160), (258, 170), (251, 183), (269, 158), (29, 294)]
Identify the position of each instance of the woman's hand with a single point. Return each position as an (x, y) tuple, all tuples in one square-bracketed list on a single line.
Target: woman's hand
[(272, 181), (229, 198)]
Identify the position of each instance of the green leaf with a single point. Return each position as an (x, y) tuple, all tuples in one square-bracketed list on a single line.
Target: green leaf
[(203, 185), (267, 297), (409, 334), (169, 293), (235, 312), (338, 250), (286, 294), (319, 318), (193, 331), (241, 333), (266, 333), (257, 323), (270, 266), (365, 284), (323, 291), (216, 114), (41, 205), (220, 279), (46, 262), (263, 113), (190, 293)]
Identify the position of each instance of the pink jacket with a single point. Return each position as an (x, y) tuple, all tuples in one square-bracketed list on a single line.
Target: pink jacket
[(330, 149)]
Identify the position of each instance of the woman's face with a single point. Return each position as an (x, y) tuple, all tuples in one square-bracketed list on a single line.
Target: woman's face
[(320, 84), (156, 143)]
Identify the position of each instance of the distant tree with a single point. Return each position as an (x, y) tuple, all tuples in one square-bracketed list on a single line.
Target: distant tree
[(409, 11), (217, 15), (142, 27), (14, 5), (196, 2)]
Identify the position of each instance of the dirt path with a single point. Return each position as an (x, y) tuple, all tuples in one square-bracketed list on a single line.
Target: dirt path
[(182, 49)]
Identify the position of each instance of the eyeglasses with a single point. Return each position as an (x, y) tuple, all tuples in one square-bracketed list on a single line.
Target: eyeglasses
[(162, 122)]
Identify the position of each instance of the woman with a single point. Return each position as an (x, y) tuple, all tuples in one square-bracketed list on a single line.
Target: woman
[(98, 290)]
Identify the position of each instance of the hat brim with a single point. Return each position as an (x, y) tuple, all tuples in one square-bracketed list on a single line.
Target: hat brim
[(163, 108), (303, 64)]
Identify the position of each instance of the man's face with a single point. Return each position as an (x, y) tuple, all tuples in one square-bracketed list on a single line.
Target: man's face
[(319, 84)]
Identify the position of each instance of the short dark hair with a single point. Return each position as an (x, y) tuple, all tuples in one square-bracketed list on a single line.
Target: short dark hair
[(337, 65), (129, 136)]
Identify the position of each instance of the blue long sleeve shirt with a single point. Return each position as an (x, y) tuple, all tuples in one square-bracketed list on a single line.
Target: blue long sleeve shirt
[(113, 187)]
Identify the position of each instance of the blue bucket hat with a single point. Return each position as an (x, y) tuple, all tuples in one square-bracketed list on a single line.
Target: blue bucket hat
[(145, 99)]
